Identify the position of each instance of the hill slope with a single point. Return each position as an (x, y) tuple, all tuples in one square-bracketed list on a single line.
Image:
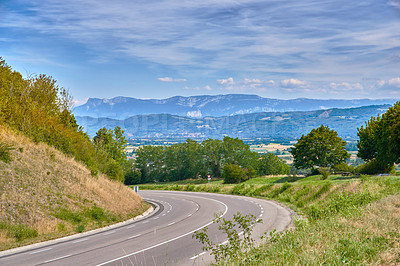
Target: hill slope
[(209, 105), (284, 125), (45, 194)]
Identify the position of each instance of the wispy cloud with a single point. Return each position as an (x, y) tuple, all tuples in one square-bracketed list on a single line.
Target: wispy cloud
[(293, 83), (245, 85), (169, 79), (206, 88), (322, 41)]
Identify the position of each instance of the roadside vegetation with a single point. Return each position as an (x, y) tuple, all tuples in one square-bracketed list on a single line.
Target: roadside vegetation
[(45, 194), (55, 180)]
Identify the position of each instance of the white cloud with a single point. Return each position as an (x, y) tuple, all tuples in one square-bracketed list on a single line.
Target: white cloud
[(226, 82), (207, 88), (395, 82), (345, 86), (293, 83), (246, 85), (169, 79)]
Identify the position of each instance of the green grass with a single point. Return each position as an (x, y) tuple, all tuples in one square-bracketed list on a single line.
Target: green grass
[(19, 231), (349, 220), (87, 215)]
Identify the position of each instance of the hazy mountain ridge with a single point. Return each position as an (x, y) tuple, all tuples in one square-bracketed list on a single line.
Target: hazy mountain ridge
[(274, 125), (207, 105)]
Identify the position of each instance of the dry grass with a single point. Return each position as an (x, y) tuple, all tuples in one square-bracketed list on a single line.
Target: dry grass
[(40, 179)]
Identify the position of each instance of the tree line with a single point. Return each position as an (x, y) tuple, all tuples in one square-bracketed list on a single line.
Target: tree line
[(213, 157)]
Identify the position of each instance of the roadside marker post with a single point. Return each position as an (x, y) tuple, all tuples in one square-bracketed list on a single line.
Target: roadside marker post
[(136, 189)]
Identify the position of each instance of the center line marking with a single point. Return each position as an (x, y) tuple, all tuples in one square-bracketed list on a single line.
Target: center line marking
[(59, 258), (80, 240), (38, 251), (134, 236)]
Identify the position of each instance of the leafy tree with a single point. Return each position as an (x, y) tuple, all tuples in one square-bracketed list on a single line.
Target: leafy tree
[(379, 139), (233, 174), (113, 142), (321, 147), (150, 162), (270, 164), (213, 156)]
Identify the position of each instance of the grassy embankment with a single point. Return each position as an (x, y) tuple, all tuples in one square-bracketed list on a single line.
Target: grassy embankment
[(347, 220), (45, 194)]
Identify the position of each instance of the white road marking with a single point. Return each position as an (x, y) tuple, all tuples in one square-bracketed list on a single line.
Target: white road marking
[(59, 258), (80, 240), (109, 233), (145, 222), (163, 214), (134, 236), (155, 218), (131, 226), (38, 251), (195, 257), (171, 223), (173, 239)]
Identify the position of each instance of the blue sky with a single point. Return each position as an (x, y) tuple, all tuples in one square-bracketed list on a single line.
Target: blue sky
[(158, 49)]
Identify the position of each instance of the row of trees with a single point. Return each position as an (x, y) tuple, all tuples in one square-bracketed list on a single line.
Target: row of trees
[(198, 160)]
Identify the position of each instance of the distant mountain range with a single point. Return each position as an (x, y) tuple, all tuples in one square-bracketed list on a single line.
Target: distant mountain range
[(270, 125), (215, 106)]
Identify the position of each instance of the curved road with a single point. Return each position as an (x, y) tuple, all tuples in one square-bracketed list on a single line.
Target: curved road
[(162, 238)]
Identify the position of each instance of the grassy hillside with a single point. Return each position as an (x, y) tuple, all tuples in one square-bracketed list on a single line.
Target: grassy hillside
[(344, 220), (45, 194)]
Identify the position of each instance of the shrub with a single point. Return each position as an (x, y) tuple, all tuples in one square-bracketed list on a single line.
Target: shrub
[(236, 245), (344, 168), (80, 228), (5, 152), (233, 173), (374, 167), (21, 232), (325, 172)]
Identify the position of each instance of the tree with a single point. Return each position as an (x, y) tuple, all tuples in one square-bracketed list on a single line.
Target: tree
[(321, 147), (233, 174), (112, 142), (379, 139), (270, 164)]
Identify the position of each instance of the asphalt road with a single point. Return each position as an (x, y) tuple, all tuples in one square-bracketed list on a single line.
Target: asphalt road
[(162, 238)]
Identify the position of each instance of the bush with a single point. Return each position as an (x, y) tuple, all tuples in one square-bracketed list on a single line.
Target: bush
[(21, 232), (344, 168), (5, 152), (325, 172), (236, 245), (233, 173), (374, 167)]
